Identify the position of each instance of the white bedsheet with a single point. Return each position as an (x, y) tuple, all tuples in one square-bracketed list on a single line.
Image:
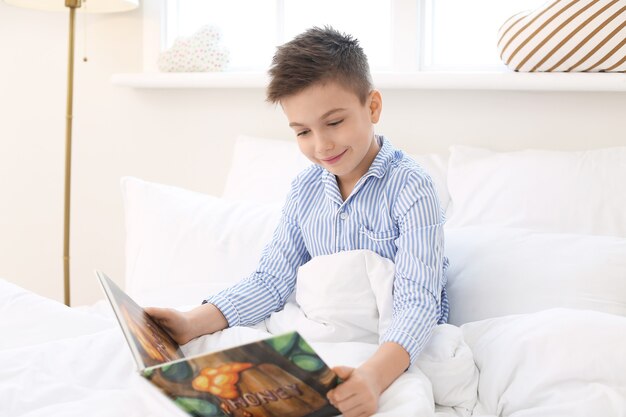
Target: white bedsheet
[(60, 361)]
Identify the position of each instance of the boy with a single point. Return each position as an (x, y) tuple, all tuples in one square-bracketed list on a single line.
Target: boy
[(361, 193)]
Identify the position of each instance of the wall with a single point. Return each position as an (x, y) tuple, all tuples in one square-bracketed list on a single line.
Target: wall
[(184, 138)]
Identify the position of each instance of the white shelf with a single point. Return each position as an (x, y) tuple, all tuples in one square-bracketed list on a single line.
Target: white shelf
[(191, 80), (415, 80)]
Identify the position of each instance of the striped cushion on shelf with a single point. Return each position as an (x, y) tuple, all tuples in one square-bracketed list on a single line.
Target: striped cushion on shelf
[(566, 35)]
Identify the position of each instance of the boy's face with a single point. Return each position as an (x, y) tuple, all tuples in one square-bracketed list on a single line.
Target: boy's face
[(334, 129)]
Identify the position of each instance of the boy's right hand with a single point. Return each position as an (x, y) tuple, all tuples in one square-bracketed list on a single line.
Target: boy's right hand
[(186, 325), (176, 323)]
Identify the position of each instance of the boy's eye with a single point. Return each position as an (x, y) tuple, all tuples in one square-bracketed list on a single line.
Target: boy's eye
[(335, 123), (304, 132)]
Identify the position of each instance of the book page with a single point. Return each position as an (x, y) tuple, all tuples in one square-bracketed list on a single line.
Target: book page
[(150, 344)]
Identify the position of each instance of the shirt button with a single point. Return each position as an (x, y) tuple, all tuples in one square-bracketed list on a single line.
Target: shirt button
[(343, 215)]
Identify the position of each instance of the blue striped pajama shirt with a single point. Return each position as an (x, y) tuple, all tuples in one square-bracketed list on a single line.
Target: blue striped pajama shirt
[(393, 210)]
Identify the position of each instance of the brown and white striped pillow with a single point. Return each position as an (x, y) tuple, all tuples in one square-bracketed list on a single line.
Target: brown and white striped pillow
[(566, 35)]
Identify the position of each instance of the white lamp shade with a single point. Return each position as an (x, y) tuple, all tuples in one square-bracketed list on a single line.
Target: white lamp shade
[(87, 6)]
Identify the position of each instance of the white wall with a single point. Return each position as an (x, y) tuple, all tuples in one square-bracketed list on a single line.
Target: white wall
[(184, 138)]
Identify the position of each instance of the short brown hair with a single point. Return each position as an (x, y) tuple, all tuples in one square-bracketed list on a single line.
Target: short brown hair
[(319, 55)]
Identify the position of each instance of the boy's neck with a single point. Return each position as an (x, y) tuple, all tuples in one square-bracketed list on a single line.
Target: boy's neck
[(345, 189), (347, 184)]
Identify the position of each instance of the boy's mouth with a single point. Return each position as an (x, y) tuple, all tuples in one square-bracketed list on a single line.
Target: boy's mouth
[(334, 159)]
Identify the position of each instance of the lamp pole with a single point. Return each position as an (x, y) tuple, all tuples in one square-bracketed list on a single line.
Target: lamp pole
[(72, 5), (95, 6)]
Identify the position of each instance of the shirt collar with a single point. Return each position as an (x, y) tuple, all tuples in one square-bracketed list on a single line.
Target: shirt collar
[(377, 169), (380, 164)]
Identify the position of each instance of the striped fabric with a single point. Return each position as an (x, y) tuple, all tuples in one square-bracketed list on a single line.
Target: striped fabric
[(393, 210), (566, 35)]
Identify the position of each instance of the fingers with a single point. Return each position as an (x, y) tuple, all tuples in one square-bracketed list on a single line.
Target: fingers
[(349, 405), (357, 412), (172, 321), (160, 315), (343, 372), (355, 409), (354, 397), (344, 390), (165, 318), (355, 404), (153, 312), (157, 315)]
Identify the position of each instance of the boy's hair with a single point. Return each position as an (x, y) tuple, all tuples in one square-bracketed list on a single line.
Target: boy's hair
[(319, 55)]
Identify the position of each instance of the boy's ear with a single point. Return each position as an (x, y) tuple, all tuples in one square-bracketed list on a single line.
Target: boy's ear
[(375, 101)]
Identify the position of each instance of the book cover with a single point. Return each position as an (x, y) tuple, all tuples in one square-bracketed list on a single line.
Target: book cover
[(279, 376)]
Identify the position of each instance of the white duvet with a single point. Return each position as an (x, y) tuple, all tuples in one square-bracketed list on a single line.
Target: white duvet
[(59, 361)]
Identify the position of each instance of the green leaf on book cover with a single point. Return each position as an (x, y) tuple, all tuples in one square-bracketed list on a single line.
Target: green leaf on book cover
[(283, 344), (307, 362), (198, 407), (177, 372), (147, 373), (304, 346)]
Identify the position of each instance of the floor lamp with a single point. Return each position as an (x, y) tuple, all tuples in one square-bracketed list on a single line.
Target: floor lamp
[(89, 6)]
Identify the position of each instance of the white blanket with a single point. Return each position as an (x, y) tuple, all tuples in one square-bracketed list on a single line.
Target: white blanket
[(557, 362), (345, 300)]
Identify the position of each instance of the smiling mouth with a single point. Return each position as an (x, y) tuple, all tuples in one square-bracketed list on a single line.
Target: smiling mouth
[(334, 159)]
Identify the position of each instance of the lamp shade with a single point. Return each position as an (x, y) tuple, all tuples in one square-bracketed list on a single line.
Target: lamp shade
[(87, 6)]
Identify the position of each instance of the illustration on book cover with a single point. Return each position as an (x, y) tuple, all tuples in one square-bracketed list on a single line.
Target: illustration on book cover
[(280, 376)]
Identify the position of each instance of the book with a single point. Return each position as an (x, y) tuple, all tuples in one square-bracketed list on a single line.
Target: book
[(278, 376)]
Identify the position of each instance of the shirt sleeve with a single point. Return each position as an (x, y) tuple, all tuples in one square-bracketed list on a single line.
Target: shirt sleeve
[(419, 264), (266, 290)]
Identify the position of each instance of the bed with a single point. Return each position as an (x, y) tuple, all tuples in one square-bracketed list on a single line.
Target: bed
[(537, 288)]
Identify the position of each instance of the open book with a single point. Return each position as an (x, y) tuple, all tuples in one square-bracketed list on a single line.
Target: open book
[(279, 376)]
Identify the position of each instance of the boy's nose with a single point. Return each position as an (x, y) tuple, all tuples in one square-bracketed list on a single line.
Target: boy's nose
[(323, 144)]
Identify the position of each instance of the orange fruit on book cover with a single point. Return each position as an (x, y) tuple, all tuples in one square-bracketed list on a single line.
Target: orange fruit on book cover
[(220, 381)]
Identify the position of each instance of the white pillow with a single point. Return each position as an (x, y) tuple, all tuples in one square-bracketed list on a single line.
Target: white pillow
[(182, 246), (498, 271), (262, 170), (558, 362), (571, 192)]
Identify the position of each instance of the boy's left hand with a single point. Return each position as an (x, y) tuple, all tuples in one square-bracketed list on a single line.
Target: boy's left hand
[(358, 395)]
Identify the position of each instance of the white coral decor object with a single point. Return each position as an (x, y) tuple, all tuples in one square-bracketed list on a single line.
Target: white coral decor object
[(200, 52)]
